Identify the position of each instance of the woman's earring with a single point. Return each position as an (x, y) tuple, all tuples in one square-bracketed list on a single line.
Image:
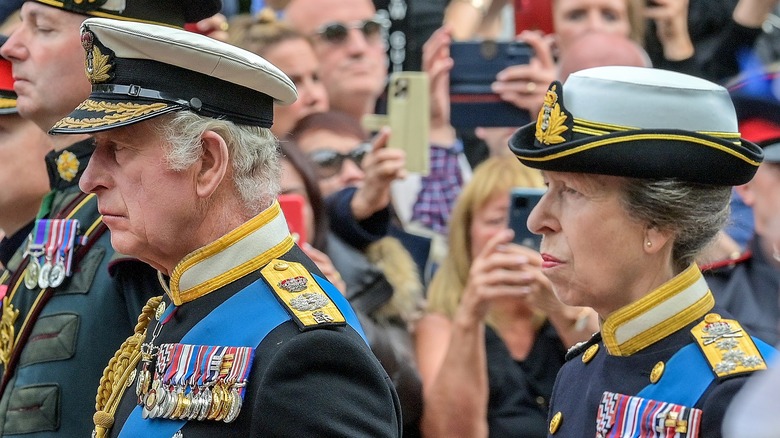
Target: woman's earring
[(649, 244)]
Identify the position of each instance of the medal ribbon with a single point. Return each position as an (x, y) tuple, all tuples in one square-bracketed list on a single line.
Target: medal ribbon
[(52, 234), (234, 322), (204, 366), (40, 231), (66, 250), (245, 357)]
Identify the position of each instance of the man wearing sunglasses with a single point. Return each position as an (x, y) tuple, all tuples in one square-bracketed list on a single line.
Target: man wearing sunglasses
[(349, 43)]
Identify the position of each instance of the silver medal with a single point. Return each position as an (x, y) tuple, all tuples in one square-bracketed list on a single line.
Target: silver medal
[(31, 273), (57, 275), (43, 276)]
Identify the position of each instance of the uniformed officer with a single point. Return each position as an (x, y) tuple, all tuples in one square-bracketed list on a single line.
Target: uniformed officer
[(749, 286), (66, 289), (639, 164), (250, 339), (23, 146)]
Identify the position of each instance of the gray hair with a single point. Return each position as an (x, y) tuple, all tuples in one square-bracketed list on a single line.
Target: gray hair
[(693, 212), (253, 151)]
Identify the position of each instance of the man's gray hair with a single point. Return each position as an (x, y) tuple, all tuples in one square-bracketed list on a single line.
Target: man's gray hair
[(253, 151), (693, 212)]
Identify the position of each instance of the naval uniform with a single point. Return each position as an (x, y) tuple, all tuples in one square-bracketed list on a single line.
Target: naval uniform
[(666, 365), (308, 371), (55, 341)]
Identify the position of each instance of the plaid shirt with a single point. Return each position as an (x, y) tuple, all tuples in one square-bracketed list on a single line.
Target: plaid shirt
[(440, 189)]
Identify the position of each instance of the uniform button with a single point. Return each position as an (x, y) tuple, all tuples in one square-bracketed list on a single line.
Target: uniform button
[(657, 372), (588, 355), (281, 266), (555, 423), (540, 400)]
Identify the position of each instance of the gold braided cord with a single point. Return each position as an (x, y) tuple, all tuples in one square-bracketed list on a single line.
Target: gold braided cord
[(115, 376)]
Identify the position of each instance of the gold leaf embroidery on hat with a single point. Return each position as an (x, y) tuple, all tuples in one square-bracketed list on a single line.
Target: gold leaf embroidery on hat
[(550, 125), (114, 113), (67, 165), (97, 66)]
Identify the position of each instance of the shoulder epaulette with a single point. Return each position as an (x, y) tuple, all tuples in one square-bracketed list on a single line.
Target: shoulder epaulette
[(725, 264), (578, 348), (301, 296), (728, 349)]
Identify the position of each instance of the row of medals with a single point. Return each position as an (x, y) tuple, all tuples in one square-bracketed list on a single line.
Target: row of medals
[(48, 275), (219, 401)]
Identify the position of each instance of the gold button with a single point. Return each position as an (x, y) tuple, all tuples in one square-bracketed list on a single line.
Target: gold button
[(281, 266), (712, 317), (590, 353), (555, 423), (657, 372)]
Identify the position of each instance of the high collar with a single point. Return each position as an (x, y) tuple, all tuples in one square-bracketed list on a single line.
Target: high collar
[(672, 306), (66, 166), (234, 255)]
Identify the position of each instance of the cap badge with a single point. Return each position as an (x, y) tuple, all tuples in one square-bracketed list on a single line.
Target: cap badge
[(551, 123), (96, 64), (67, 165)]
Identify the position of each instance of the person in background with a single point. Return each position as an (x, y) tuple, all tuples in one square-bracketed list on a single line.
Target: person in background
[(293, 53), (748, 286), (632, 198), (387, 316), (23, 147), (348, 40), (66, 283), (249, 339), (494, 335)]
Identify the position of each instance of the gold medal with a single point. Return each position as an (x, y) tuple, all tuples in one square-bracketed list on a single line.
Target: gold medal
[(31, 274), (235, 405)]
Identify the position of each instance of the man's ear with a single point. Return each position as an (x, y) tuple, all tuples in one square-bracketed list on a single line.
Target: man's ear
[(213, 164)]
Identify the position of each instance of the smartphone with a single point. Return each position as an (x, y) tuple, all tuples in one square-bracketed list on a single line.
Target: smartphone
[(521, 201), (476, 64), (409, 114), (292, 206)]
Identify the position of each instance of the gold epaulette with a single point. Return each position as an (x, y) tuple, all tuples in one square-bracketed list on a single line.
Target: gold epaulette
[(300, 294), (729, 350)]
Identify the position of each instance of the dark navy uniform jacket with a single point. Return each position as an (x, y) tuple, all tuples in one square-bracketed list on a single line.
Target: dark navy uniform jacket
[(633, 357), (63, 336), (306, 380), (749, 289)]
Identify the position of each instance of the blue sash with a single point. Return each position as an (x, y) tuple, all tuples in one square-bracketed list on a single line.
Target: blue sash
[(243, 320), (688, 375)]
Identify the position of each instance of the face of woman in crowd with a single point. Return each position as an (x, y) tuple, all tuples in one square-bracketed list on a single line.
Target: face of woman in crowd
[(592, 250), (574, 18), (297, 60), (342, 172), (488, 220), (292, 183)]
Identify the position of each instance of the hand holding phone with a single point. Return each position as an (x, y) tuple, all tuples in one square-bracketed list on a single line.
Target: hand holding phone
[(292, 205), (521, 202)]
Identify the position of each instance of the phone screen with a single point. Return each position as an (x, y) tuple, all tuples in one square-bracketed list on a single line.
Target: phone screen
[(521, 202), (292, 206)]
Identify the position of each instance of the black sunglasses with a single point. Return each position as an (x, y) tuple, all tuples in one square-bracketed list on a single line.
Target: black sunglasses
[(337, 32), (329, 162)]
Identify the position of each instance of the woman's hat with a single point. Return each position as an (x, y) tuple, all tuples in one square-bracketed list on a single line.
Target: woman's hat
[(140, 71), (639, 123), (171, 12)]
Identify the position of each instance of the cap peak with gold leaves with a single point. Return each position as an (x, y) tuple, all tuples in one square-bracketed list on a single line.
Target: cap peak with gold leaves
[(641, 123), (170, 12), (140, 71)]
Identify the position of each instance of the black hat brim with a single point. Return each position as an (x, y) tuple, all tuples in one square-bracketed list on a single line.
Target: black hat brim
[(646, 154)]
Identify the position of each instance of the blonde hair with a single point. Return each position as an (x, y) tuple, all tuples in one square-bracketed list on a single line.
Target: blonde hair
[(495, 176), (260, 32)]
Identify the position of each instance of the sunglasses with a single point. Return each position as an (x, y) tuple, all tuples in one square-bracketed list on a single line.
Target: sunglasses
[(337, 32), (329, 162)]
